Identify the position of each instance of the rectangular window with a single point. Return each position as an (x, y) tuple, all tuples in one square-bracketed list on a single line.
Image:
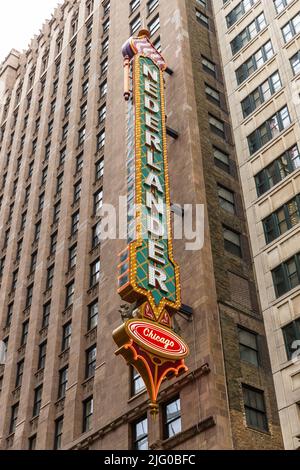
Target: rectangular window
[(100, 140), (42, 355), (255, 408), (232, 242), (79, 163), (203, 19), (66, 336), (93, 315), (24, 336), (291, 334), (56, 212), (58, 433), (75, 223), (96, 233), (226, 199), (88, 409), (106, 26), (98, 202), (102, 114), (134, 4), (137, 383), (291, 28), (46, 315), (209, 66), (104, 66), (217, 126), (295, 63), (248, 346), (261, 94), (32, 442), (248, 33), (140, 434), (286, 276), (172, 418), (72, 256), (103, 89), (59, 183), (77, 191), (37, 402), (53, 243), (29, 295), (70, 289), (94, 273), (154, 25), (14, 280), (269, 130), (85, 88), (19, 373), (239, 11), (81, 136), (135, 25), (151, 5), (83, 111), (91, 355), (282, 220), (9, 314), (62, 383), (50, 276), (280, 5), (13, 418), (99, 169), (212, 94), (254, 62)]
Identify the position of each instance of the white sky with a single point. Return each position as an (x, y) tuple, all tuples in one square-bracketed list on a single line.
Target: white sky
[(20, 20)]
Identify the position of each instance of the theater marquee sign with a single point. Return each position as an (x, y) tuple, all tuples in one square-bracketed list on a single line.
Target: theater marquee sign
[(148, 274)]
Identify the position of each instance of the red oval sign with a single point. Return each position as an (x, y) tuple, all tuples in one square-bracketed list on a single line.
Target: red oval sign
[(157, 339)]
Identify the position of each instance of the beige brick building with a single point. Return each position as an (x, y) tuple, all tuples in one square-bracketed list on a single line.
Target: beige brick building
[(260, 49), (63, 152)]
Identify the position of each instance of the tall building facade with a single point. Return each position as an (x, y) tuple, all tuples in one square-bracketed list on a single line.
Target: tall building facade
[(63, 153), (260, 48)]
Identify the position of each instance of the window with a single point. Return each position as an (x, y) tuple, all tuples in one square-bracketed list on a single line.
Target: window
[(29, 296), (71, 67), (103, 89), (232, 242), (93, 315), (154, 25), (19, 373), (99, 169), (89, 27), (46, 315), (203, 19), (67, 112), (94, 273), (66, 336), (62, 383), (75, 223), (88, 48), (70, 289), (50, 128), (248, 346), (291, 28), (44, 176), (217, 126), (172, 418), (140, 434), (135, 24), (282, 220), (50, 276), (9, 314), (157, 44), (96, 234), (295, 63), (85, 88), (88, 408), (41, 202), (152, 4), (134, 4), (59, 182), (90, 362), (255, 408), (248, 33), (291, 334), (58, 433), (269, 130), (89, 7), (287, 276), (83, 111), (37, 401), (254, 62), (77, 191), (98, 202), (280, 5), (56, 212), (37, 231), (100, 140), (81, 136), (72, 256), (239, 11), (102, 114), (33, 262), (25, 328), (137, 383), (42, 355), (79, 163), (226, 199), (13, 418), (261, 94), (212, 94), (19, 249), (104, 66), (62, 156), (53, 243), (106, 25), (105, 45), (32, 442)]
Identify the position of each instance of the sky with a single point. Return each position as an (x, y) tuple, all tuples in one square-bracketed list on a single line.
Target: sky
[(20, 20)]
